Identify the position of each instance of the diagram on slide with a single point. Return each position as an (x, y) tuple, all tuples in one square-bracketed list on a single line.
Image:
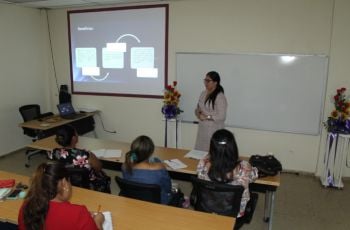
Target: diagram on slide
[(113, 57)]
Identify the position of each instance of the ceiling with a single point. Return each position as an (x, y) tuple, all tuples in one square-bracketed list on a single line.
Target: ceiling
[(55, 4)]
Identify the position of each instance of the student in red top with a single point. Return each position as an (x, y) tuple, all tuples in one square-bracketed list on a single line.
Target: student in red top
[(46, 205)]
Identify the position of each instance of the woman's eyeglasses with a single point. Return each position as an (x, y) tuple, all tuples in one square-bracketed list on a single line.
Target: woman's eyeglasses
[(207, 80)]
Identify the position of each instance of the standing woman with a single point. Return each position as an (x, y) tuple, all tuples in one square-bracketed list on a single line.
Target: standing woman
[(47, 205), (211, 110)]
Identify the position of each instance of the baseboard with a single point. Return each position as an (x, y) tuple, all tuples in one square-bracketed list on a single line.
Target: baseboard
[(15, 151), (301, 173)]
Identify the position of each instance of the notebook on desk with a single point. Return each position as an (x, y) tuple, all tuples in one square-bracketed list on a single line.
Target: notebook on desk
[(67, 111)]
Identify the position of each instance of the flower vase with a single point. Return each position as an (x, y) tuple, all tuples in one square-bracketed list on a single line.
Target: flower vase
[(338, 125), (169, 111)]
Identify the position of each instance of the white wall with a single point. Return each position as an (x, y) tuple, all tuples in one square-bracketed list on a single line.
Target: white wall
[(339, 67), (23, 69), (229, 26), (270, 26)]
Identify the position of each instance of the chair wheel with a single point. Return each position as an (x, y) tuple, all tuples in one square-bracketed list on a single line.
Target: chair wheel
[(27, 165), (267, 219)]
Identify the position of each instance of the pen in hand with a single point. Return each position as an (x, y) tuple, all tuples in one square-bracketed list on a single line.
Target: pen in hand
[(98, 208)]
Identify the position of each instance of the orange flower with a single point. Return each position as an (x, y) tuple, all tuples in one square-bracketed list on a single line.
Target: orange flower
[(334, 113), (171, 99)]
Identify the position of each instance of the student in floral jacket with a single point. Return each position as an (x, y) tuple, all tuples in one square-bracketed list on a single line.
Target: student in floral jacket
[(73, 157)]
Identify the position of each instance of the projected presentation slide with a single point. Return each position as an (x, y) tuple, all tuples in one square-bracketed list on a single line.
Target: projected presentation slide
[(119, 51)]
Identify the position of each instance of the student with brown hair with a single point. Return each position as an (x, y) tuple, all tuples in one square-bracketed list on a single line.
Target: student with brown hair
[(139, 168), (47, 206)]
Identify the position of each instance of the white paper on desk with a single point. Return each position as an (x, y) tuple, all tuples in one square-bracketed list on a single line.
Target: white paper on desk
[(107, 224), (196, 154), (175, 164), (4, 192), (107, 153)]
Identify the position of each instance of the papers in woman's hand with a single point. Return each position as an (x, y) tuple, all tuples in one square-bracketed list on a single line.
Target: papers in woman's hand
[(175, 164), (107, 153), (196, 154)]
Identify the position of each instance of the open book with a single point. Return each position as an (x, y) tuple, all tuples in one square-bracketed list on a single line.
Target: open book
[(107, 153)]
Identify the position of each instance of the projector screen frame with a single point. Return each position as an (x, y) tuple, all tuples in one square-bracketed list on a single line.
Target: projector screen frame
[(165, 61)]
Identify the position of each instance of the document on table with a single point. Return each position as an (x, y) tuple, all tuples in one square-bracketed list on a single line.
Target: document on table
[(175, 164), (4, 192), (196, 154), (107, 153), (107, 224)]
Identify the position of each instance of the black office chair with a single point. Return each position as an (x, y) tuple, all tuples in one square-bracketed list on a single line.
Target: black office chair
[(222, 199), (140, 191), (8, 226), (79, 177), (28, 113)]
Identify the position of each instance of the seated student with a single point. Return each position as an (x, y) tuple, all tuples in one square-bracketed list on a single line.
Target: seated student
[(46, 205), (67, 137), (222, 164), (138, 168)]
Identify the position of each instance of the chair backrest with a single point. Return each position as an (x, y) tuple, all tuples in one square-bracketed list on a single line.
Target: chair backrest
[(140, 191), (214, 197), (79, 177), (30, 112)]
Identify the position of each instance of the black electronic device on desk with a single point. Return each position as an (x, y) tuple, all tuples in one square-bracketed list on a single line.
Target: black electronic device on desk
[(67, 111)]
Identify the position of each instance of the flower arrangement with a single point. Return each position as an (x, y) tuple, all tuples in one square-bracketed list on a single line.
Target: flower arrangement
[(171, 101), (339, 120)]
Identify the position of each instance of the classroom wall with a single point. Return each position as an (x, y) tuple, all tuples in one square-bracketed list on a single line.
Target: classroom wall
[(339, 66), (23, 70), (228, 26)]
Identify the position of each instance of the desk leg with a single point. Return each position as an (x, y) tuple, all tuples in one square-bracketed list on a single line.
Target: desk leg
[(166, 133), (30, 154), (269, 207)]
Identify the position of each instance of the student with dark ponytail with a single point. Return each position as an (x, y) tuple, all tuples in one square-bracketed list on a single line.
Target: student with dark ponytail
[(46, 205), (210, 111), (138, 167)]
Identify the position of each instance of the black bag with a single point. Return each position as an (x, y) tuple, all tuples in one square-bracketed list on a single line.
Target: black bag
[(102, 183), (267, 165), (177, 199)]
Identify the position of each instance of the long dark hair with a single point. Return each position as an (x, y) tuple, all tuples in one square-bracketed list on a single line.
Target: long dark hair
[(64, 135), (140, 150), (215, 77), (223, 156), (43, 189)]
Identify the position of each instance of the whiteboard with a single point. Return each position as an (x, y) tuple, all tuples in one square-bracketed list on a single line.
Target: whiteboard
[(273, 92)]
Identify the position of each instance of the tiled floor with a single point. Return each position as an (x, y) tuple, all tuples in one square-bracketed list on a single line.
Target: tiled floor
[(301, 201)]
